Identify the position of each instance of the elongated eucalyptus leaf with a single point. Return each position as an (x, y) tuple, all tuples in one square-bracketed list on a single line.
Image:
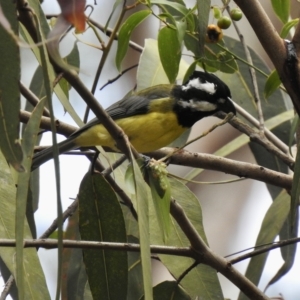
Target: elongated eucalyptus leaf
[(73, 268), (34, 284), (150, 70), (142, 199), (125, 33), (203, 7), (101, 219), (271, 225), (201, 281), (9, 89), (169, 51), (240, 84), (281, 9), (272, 84)]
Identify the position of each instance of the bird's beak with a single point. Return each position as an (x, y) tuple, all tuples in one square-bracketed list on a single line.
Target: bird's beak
[(228, 106)]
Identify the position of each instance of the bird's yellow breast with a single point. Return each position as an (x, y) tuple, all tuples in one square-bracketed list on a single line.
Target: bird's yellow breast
[(146, 133)]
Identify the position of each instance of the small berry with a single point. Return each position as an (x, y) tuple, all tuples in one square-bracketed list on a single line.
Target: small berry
[(224, 22), (236, 14)]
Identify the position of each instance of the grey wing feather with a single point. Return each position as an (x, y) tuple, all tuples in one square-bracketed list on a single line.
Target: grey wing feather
[(129, 106)]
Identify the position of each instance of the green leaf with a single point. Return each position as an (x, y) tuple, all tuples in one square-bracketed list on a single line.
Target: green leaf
[(73, 268), (101, 219), (201, 281), (135, 276), (169, 290), (125, 32), (142, 198), (281, 9), (150, 71), (9, 89), (271, 108), (176, 6), (57, 89), (287, 27), (295, 193), (28, 143), (203, 7), (270, 228), (272, 84), (35, 284), (169, 51)]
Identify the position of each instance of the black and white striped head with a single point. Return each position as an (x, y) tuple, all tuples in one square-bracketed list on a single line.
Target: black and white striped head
[(202, 95)]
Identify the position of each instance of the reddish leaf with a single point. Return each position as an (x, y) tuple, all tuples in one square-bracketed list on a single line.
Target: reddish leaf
[(73, 12)]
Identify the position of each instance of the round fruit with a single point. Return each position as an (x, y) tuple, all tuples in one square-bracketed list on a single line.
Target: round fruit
[(236, 14), (224, 22), (214, 34)]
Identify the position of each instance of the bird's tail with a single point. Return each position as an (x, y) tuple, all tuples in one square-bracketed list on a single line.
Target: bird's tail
[(47, 154)]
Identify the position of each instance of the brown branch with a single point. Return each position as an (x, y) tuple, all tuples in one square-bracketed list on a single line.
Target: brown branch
[(276, 48), (229, 166), (204, 255), (265, 249), (262, 140), (198, 160), (53, 243)]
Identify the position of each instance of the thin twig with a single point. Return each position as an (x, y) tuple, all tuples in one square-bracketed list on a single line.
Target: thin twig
[(53, 244), (253, 78), (32, 98), (110, 81), (265, 249)]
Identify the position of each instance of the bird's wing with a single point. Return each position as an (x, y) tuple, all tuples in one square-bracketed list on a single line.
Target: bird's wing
[(136, 104)]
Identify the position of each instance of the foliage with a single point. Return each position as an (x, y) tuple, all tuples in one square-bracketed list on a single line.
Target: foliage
[(130, 214)]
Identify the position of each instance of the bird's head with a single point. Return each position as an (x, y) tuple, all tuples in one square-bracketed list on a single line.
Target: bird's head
[(202, 95)]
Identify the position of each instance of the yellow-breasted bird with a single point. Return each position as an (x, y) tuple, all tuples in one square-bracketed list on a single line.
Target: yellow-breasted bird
[(154, 117)]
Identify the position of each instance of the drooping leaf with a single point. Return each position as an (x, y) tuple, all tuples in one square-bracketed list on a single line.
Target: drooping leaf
[(272, 84), (281, 9), (169, 51), (270, 228), (9, 89), (73, 12), (135, 276), (150, 71), (201, 281), (142, 199), (73, 268), (101, 219), (274, 106), (288, 253), (295, 193), (125, 33), (35, 284), (203, 7)]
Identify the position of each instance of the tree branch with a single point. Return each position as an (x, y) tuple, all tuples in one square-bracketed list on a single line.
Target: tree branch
[(216, 163), (277, 49), (204, 255), (196, 160)]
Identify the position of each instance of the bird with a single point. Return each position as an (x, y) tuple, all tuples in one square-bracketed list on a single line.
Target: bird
[(154, 117)]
